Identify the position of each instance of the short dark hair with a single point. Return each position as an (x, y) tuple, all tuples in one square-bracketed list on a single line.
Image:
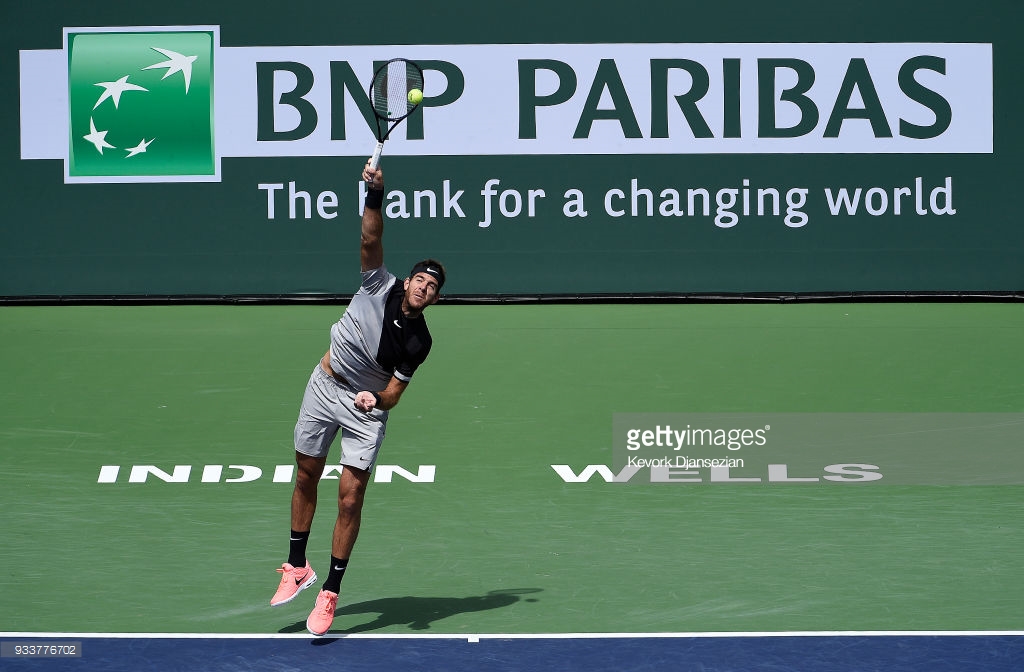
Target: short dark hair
[(431, 267)]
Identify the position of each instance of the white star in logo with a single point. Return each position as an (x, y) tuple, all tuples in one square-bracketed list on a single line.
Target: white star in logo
[(97, 138), (113, 90), (176, 63), (139, 148)]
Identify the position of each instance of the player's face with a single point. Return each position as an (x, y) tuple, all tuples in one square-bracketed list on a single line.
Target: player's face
[(420, 291)]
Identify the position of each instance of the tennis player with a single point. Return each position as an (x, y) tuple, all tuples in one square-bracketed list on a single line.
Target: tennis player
[(376, 346)]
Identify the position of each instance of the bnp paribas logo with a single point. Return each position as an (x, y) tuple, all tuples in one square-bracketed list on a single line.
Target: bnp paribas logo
[(141, 105)]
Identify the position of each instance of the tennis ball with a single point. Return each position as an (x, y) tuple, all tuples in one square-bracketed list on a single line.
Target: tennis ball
[(415, 96)]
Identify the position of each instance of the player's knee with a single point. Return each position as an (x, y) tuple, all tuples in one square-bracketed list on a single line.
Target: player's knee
[(308, 474), (350, 497), (305, 481), (350, 503)]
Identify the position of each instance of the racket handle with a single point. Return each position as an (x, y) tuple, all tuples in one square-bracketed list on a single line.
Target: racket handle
[(375, 159)]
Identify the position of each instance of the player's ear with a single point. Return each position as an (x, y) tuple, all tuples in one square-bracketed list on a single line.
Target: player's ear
[(405, 285)]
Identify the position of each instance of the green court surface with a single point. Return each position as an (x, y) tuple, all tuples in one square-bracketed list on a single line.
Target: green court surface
[(497, 541)]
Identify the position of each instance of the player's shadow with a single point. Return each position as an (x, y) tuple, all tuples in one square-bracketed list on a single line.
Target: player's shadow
[(419, 612)]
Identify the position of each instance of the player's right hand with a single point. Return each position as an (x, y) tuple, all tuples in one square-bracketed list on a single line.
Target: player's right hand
[(374, 178)]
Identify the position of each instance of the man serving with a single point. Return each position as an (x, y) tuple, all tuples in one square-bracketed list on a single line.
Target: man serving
[(376, 346)]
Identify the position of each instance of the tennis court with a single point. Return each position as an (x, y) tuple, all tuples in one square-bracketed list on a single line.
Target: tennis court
[(795, 220), (146, 485)]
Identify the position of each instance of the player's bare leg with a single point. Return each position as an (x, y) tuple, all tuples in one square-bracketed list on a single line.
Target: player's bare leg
[(297, 574), (351, 492), (307, 478)]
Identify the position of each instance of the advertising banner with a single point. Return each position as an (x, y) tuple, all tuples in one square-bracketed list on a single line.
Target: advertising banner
[(798, 163)]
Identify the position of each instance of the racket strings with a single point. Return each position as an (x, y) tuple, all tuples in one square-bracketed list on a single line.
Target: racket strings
[(391, 89)]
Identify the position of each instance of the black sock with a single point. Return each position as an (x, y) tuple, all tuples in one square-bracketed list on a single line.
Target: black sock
[(297, 548), (333, 582)]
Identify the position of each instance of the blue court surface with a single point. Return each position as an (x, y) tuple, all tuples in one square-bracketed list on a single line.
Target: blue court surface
[(705, 652)]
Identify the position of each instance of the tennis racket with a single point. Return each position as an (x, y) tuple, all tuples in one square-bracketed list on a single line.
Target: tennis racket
[(389, 97)]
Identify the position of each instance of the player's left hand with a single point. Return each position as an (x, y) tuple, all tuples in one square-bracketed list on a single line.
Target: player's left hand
[(365, 401)]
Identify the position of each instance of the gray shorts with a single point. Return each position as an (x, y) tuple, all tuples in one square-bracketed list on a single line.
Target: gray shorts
[(327, 406)]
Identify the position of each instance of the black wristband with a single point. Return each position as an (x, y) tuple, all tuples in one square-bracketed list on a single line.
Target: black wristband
[(376, 398), (374, 199)]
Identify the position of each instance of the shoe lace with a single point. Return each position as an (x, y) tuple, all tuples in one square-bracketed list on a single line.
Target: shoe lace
[(287, 575), (327, 604)]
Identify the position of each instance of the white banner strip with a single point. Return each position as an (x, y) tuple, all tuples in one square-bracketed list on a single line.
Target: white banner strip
[(744, 98)]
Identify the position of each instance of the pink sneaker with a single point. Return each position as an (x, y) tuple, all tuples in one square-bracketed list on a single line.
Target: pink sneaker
[(320, 619), (293, 580)]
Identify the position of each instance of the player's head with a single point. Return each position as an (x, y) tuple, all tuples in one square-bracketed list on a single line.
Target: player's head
[(423, 286)]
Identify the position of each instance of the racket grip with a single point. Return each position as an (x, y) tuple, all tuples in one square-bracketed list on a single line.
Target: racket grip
[(375, 159)]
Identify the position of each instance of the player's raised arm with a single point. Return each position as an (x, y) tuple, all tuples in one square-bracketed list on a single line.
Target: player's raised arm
[(371, 250)]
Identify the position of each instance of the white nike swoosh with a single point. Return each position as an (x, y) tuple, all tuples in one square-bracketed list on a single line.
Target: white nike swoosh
[(397, 324), (338, 569)]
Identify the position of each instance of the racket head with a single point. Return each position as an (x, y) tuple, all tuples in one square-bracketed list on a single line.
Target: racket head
[(389, 90)]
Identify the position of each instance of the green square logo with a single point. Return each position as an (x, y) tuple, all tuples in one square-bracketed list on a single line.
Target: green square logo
[(141, 106)]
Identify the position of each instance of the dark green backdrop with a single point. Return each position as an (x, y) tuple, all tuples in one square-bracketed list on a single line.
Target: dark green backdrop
[(214, 239)]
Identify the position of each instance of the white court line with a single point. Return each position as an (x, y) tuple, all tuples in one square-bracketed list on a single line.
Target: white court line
[(484, 636)]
